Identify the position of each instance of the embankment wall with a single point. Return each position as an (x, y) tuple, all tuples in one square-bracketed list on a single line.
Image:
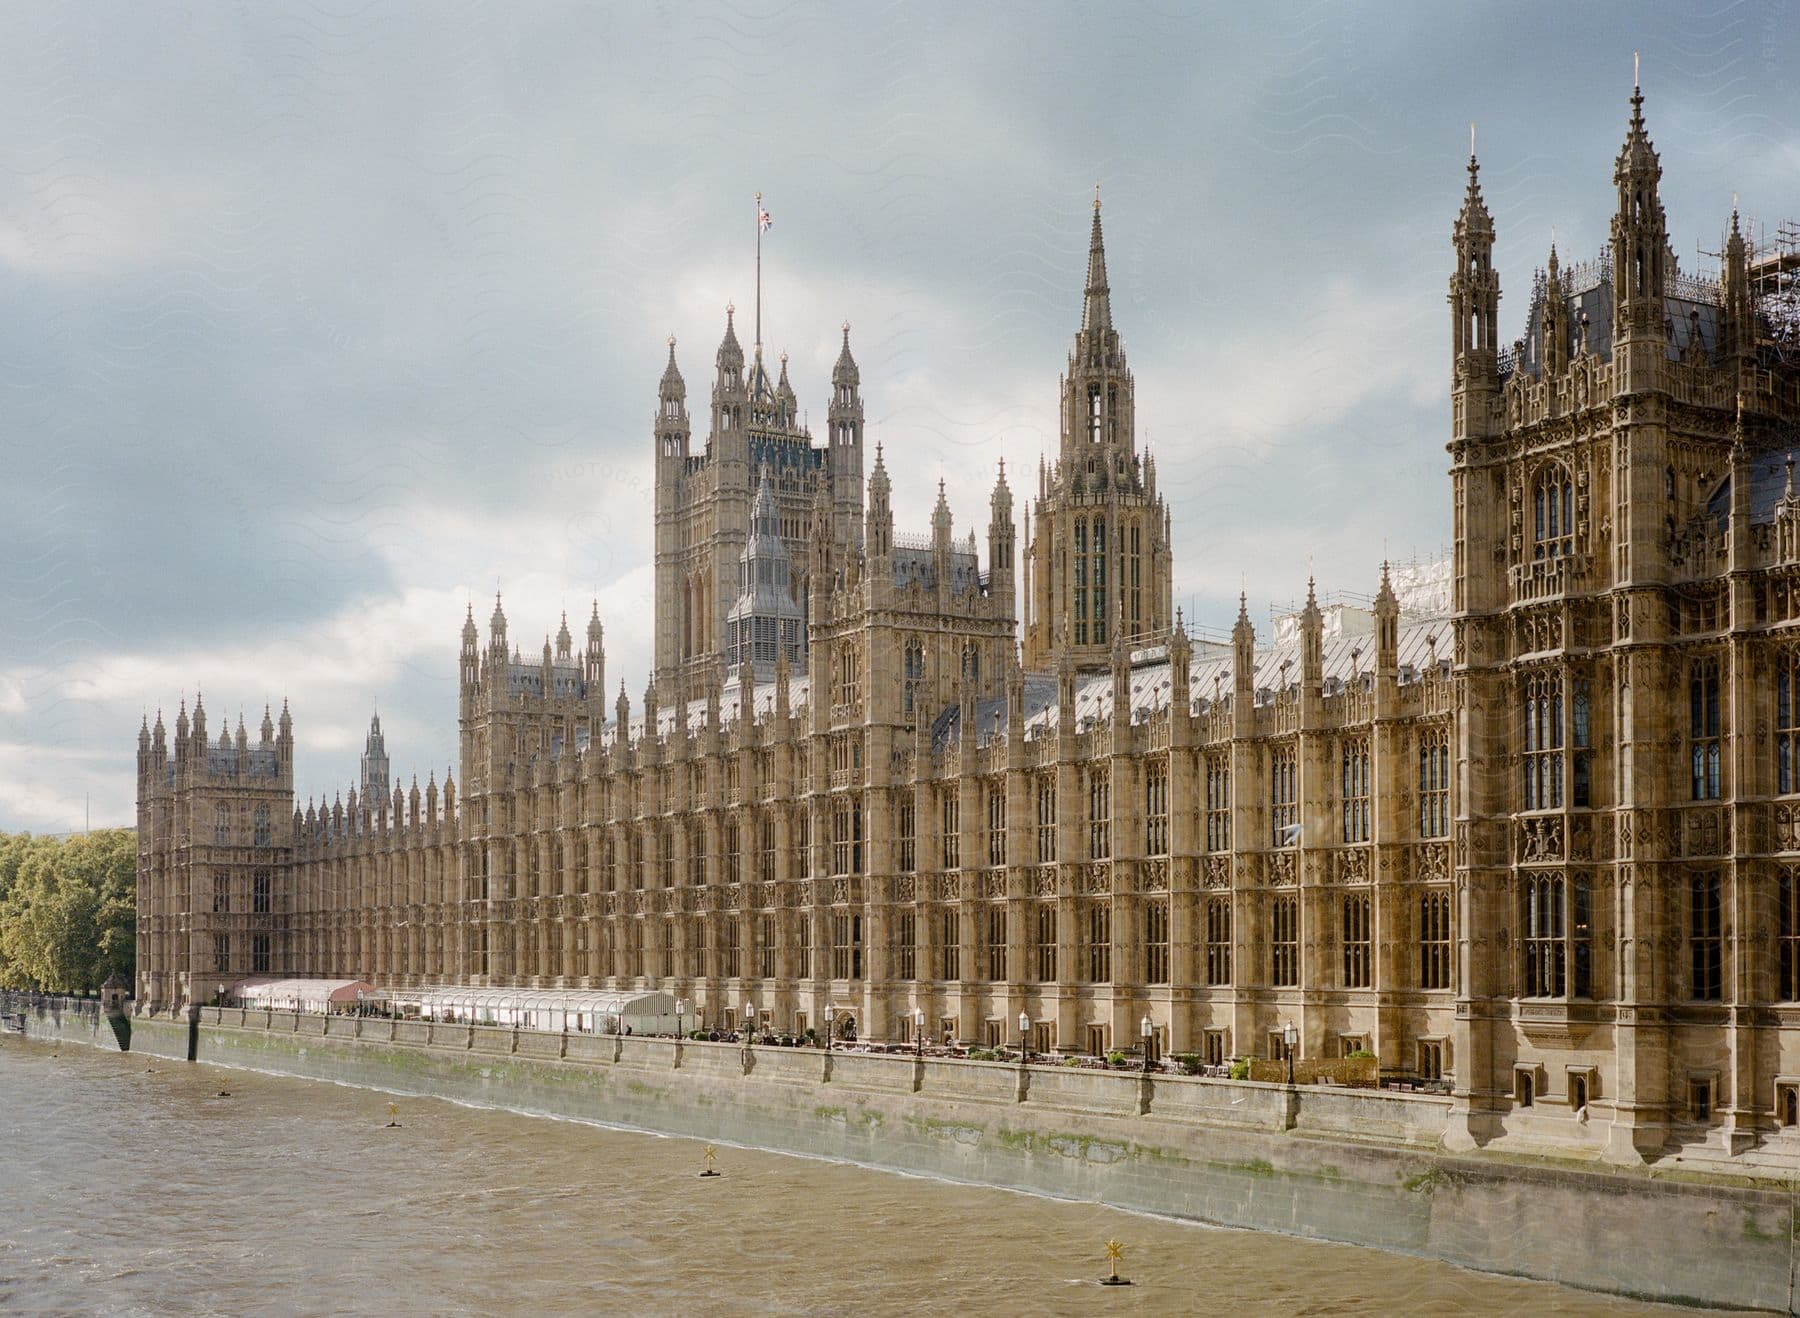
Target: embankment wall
[(1357, 1167)]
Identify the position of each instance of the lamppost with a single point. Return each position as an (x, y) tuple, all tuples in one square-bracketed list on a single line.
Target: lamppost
[(1024, 1034), (680, 1012), (830, 1016), (1289, 1035), (749, 1023), (919, 1029), (1144, 1035)]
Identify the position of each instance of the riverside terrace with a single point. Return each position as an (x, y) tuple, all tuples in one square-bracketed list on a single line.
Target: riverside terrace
[(654, 1014)]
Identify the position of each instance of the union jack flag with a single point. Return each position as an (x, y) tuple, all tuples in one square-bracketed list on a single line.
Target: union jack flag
[(763, 222)]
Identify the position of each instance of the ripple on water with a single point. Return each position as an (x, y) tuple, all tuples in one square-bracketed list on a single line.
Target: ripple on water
[(129, 1191)]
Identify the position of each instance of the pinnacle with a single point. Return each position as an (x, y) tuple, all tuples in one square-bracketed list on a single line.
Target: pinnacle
[(1097, 311)]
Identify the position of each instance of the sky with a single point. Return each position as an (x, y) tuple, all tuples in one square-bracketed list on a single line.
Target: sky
[(323, 321)]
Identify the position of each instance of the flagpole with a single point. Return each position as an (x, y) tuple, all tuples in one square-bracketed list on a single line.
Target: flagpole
[(759, 229)]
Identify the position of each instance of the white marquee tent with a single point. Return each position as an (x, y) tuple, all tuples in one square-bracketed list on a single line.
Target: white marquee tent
[(302, 994), (580, 1011)]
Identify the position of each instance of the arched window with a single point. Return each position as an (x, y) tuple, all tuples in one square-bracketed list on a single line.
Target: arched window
[(1080, 582), (1099, 609), (1553, 513), (1543, 748)]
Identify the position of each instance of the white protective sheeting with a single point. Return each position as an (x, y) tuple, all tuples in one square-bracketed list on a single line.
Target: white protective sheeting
[(303, 994), (580, 1011)]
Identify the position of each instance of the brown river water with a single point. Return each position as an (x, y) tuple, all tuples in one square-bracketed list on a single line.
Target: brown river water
[(128, 1186)]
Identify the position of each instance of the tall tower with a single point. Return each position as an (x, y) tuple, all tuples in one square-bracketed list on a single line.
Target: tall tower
[(373, 784), (1099, 555), (215, 838), (704, 499)]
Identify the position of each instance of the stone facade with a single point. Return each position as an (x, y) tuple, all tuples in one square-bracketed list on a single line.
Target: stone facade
[(1538, 841)]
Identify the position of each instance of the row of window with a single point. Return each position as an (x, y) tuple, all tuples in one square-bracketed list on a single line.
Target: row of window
[(620, 948), (224, 833), (260, 891), (224, 963)]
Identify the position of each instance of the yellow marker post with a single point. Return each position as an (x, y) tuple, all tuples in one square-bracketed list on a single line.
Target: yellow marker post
[(1114, 1252), (711, 1156), (393, 1116)]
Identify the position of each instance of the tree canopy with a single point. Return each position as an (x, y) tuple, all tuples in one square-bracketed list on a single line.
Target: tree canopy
[(68, 910)]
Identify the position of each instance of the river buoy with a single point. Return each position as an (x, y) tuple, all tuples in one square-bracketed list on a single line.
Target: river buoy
[(711, 1156), (1114, 1252)]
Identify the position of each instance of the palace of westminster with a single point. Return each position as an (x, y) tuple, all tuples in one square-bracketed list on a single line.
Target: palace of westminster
[(1530, 829)]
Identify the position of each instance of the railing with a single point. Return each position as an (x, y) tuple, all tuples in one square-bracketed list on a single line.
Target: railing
[(1324, 1099)]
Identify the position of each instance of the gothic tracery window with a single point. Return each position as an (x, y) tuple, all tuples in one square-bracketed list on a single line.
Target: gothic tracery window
[(1787, 722), (1553, 513), (1703, 730), (1543, 743)]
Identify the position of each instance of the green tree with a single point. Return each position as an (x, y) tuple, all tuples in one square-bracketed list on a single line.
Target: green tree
[(68, 910)]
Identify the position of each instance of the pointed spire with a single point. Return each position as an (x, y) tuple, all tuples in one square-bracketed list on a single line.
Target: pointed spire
[(1096, 312), (1637, 155), (1385, 598), (844, 371), (564, 642), (671, 373)]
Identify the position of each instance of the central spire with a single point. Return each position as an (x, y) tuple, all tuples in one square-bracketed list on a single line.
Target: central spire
[(1096, 313)]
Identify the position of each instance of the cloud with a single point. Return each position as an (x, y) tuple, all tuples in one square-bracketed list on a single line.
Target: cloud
[(319, 322)]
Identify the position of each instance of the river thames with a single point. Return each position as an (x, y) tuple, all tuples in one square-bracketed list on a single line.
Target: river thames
[(131, 1184)]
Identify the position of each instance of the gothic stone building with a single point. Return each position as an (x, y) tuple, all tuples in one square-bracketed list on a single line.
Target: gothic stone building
[(1538, 839)]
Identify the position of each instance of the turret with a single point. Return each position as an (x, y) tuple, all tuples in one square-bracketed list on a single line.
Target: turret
[(564, 642), (1312, 641), (374, 775), (198, 744), (594, 656), (1181, 671), (1000, 544), (845, 420), (728, 362), (497, 635), (469, 660), (1387, 628), (1556, 320), (941, 545), (785, 405), (1243, 670), (284, 739), (1738, 328), (672, 429), (1640, 256), (1474, 312), (267, 730), (880, 518)]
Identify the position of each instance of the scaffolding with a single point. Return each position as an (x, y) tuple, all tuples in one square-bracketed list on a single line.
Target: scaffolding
[(1774, 270)]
